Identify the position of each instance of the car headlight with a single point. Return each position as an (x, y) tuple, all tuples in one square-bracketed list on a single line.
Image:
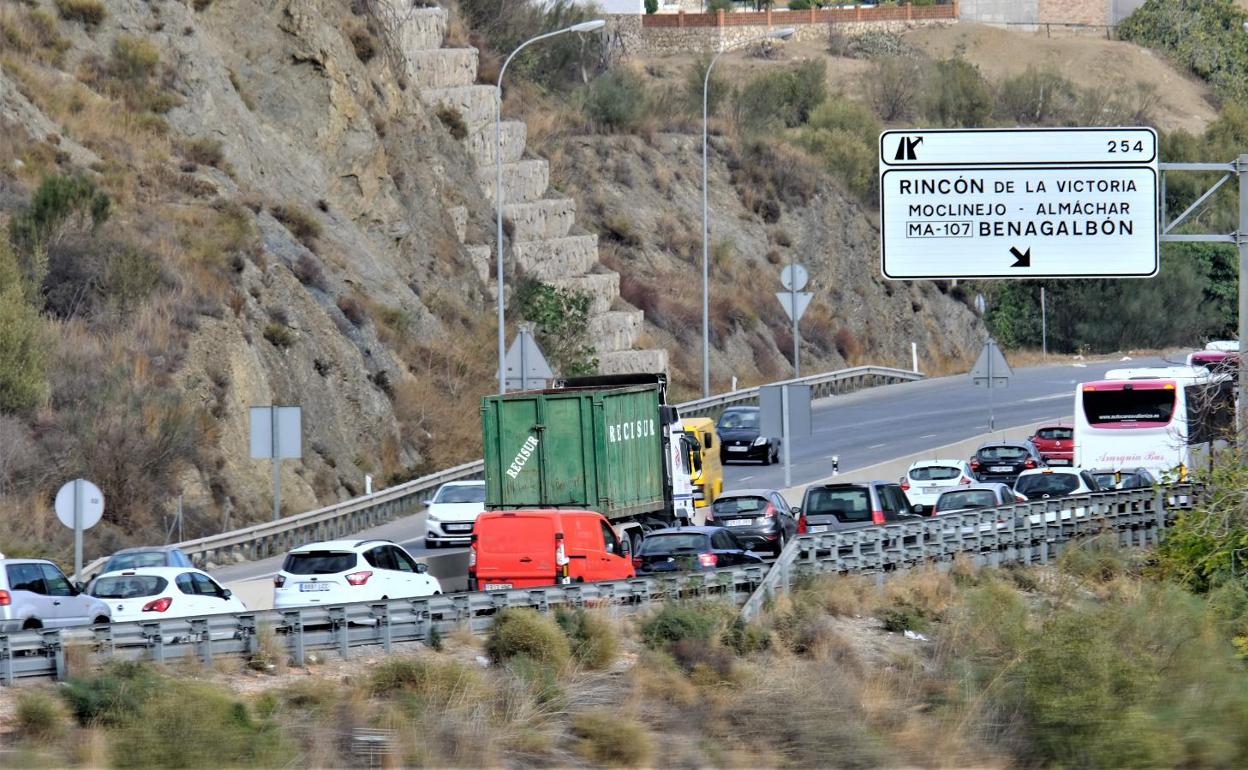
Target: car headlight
[(433, 517), (760, 441)]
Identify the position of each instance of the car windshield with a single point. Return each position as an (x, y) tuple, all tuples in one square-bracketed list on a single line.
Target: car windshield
[(968, 498), (1056, 434), (728, 506), (737, 419), (671, 543), (136, 560), (461, 493), (847, 505), (935, 473), (1010, 454), (318, 562), (128, 586), (1047, 484)]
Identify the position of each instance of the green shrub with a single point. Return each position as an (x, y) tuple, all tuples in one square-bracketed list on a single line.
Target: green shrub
[(652, 6), (279, 335), (677, 622), (745, 638), (525, 632), (39, 717), (902, 617), (89, 12), (717, 88), (615, 101), (425, 684), (957, 94), (185, 723), (204, 151), (299, 222), (24, 341), (781, 99), (133, 59), (560, 319), (843, 135), (1098, 559), (61, 203), (1206, 36), (1036, 97), (558, 62), (594, 643), (113, 696), (606, 738)]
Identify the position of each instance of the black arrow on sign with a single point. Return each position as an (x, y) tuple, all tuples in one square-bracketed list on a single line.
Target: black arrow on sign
[(1021, 258)]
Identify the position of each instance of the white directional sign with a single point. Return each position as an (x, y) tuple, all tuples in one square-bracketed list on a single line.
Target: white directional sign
[(1019, 203)]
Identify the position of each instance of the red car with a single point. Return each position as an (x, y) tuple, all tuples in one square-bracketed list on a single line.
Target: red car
[(1056, 444)]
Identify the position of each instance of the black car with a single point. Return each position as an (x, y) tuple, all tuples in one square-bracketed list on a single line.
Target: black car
[(829, 507), (739, 436), (680, 549), (759, 518), (1003, 460)]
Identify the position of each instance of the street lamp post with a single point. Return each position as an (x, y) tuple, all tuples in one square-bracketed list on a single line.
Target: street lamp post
[(585, 26), (779, 34)]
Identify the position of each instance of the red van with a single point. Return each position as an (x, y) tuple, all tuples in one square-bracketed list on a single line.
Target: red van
[(528, 548)]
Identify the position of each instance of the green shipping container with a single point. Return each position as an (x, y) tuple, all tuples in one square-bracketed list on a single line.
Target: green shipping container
[(594, 448)]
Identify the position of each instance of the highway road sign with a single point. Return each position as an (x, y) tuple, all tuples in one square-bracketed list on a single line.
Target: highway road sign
[(790, 298), (89, 498), (1018, 203), (991, 368), (526, 366)]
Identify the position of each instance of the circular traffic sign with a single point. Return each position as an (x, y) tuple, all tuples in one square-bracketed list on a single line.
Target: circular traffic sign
[(794, 277), (90, 498)]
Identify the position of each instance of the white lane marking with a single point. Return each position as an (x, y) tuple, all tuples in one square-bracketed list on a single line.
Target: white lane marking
[(1053, 397), (930, 435), (873, 446), (746, 478)]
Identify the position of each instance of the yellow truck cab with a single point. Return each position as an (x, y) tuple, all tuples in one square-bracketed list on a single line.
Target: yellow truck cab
[(707, 474)]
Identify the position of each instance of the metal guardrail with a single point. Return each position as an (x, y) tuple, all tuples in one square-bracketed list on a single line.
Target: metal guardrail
[(1027, 533), (344, 519)]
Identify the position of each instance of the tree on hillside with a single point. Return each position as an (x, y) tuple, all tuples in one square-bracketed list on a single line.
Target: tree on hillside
[(23, 340)]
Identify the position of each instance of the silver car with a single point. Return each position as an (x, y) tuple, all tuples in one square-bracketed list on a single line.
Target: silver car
[(34, 593)]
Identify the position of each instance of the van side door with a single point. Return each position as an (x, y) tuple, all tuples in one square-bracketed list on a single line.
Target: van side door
[(616, 566)]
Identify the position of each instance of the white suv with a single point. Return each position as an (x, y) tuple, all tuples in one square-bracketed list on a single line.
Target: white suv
[(34, 593), (452, 513), (346, 571), (159, 593)]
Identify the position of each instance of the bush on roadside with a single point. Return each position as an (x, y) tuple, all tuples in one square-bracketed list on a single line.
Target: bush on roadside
[(677, 622), (781, 99), (894, 86), (40, 717), (843, 135), (606, 738), (1037, 96), (957, 94), (113, 696), (89, 12), (594, 642), (524, 632), (615, 101)]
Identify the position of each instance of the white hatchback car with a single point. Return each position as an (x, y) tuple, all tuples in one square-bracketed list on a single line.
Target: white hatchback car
[(452, 513), (928, 479), (1045, 483), (346, 571), (159, 593)]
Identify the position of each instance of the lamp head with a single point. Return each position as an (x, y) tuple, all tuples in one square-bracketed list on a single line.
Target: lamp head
[(783, 34), (589, 26)]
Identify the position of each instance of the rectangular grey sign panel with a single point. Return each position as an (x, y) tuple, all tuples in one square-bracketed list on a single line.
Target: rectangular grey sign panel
[(289, 432), (771, 422)]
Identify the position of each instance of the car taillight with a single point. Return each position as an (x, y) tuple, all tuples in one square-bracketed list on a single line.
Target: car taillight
[(279, 581), (770, 510), (708, 559), (5, 599), (965, 481), (975, 463), (159, 605), (905, 484), (801, 524), (472, 555), (877, 517), (359, 578), (1030, 463), (637, 563)]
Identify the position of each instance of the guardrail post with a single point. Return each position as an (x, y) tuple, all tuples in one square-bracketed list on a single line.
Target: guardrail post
[(203, 639), (245, 630), (54, 647), (6, 660), (154, 640), (294, 621), (338, 622), (381, 614), (104, 641)]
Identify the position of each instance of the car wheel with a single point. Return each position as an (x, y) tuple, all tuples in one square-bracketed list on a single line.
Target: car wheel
[(767, 456), (32, 624), (634, 542), (101, 621), (780, 544), (775, 455)]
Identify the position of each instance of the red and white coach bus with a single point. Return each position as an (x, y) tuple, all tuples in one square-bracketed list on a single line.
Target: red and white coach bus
[(1159, 419)]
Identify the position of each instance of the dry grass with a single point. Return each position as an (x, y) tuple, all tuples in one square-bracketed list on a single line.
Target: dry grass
[(89, 12)]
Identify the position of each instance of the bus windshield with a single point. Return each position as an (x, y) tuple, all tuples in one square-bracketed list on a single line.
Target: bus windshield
[(1139, 407)]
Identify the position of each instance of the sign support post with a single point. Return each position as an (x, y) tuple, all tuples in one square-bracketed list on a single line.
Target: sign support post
[(277, 465), (77, 528)]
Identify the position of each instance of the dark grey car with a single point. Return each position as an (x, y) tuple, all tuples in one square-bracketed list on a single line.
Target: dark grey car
[(1003, 460), (759, 518), (829, 507)]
